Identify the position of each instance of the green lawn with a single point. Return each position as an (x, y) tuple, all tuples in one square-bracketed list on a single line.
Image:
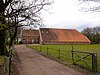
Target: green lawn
[(66, 55)]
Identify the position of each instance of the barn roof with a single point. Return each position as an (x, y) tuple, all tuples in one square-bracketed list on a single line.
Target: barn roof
[(62, 35), (30, 33)]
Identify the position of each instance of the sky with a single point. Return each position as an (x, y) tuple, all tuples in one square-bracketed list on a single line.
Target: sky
[(68, 14)]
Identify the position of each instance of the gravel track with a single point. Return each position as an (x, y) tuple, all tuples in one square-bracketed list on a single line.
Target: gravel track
[(32, 63)]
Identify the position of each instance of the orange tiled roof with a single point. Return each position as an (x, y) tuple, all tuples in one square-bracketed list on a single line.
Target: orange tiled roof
[(30, 33), (62, 35)]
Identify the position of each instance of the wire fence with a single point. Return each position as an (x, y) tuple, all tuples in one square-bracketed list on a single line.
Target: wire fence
[(90, 61)]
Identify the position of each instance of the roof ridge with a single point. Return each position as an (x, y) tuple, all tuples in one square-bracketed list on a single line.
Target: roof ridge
[(57, 28)]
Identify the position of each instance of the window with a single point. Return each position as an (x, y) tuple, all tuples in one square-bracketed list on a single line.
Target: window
[(23, 39)]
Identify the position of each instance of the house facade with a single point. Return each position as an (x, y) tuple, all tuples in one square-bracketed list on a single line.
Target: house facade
[(30, 36)]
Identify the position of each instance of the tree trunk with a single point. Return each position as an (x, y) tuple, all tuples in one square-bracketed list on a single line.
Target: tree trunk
[(2, 30), (2, 42), (13, 37)]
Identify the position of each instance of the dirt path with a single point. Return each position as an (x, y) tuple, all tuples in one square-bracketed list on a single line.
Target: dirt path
[(32, 63)]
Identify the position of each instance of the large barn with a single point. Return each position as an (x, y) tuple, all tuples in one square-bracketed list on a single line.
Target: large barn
[(62, 36)]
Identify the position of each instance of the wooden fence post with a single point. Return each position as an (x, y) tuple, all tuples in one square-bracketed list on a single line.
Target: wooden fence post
[(72, 53), (59, 53), (47, 50), (73, 57), (94, 62)]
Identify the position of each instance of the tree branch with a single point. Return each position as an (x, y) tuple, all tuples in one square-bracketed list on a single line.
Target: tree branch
[(7, 3)]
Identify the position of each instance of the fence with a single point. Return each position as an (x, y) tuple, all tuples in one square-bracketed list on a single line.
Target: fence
[(58, 53), (7, 65), (84, 59), (98, 61)]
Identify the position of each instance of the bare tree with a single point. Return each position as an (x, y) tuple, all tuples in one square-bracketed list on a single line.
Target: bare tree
[(17, 13), (93, 8), (93, 34)]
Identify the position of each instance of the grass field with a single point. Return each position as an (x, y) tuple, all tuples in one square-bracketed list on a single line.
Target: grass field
[(64, 53)]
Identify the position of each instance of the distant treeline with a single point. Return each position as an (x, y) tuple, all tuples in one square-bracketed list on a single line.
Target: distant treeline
[(93, 34)]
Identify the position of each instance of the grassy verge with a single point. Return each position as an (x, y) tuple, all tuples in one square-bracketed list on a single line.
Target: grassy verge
[(66, 55), (2, 58)]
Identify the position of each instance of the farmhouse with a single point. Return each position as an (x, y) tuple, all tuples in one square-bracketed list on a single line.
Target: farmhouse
[(62, 36), (30, 36), (54, 36)]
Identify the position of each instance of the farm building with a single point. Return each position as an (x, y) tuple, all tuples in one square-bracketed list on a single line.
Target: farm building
[(30, 36), (54, 36), (62, 36)]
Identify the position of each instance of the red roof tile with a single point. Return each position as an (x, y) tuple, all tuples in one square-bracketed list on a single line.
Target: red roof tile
[(30, 33), (62, 35)]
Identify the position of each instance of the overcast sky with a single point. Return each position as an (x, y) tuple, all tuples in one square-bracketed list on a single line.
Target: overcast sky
[(66, 14)]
